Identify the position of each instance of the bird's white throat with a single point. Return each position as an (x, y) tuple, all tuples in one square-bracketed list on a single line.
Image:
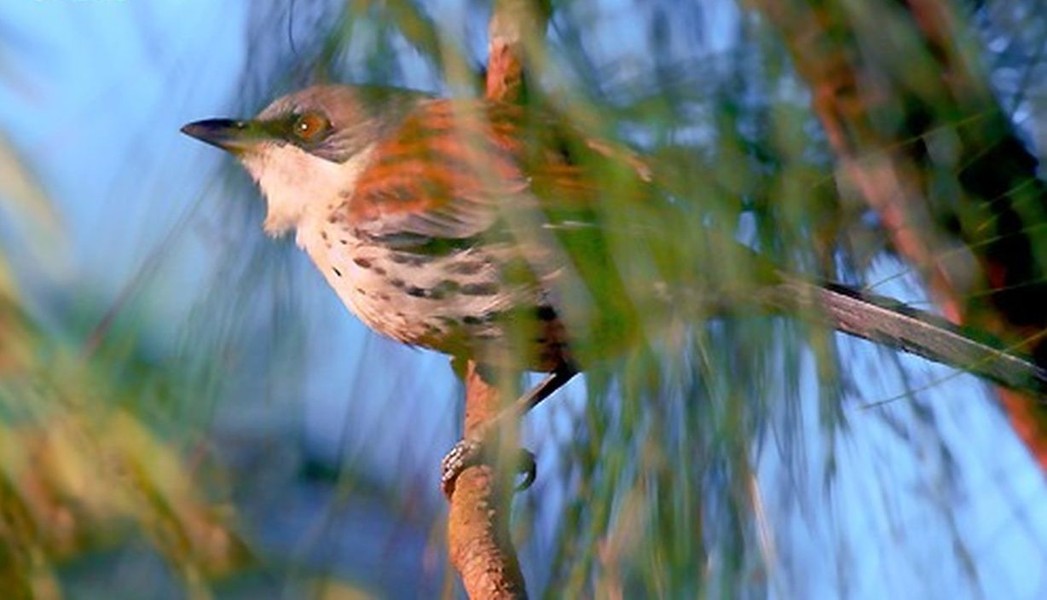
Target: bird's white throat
[(299, 186)]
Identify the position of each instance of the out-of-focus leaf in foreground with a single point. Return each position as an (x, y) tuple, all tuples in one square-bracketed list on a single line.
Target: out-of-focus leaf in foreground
[(82, 472)]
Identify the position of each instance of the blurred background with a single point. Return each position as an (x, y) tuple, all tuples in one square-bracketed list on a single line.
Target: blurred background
[(187, 409)]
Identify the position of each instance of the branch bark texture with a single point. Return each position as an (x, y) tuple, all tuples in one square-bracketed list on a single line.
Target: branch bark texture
[(478, 532)]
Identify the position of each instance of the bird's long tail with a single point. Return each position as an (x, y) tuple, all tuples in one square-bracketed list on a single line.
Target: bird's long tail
[(889, 322)]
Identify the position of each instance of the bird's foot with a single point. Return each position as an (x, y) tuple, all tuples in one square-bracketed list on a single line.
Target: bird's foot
[(471, 452)]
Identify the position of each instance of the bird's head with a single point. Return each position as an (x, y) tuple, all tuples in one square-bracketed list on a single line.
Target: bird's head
[(307, 149)]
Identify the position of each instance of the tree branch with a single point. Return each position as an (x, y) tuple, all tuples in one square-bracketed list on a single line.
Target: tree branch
[(478, 537)]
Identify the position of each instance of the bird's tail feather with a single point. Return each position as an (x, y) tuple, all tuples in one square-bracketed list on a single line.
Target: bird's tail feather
[(887, 321)]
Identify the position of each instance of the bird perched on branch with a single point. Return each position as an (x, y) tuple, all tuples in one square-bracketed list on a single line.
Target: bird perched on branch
[(484, 230)]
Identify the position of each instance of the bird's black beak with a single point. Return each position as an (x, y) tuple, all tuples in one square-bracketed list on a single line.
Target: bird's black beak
[(227, 134)]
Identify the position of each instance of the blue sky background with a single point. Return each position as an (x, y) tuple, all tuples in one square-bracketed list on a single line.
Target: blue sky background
[(157, 224)]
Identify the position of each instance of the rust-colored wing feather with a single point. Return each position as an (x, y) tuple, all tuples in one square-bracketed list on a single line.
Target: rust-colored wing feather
[(455, 166), (463, 175)]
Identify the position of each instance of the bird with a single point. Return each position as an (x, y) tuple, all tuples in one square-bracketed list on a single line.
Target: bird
[(482, 229)]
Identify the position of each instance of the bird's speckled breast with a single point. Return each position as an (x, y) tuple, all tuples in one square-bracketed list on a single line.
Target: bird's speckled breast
[(454, 303)]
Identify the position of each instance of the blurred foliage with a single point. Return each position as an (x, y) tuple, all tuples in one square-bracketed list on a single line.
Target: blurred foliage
[(702, 464), (82, 469)]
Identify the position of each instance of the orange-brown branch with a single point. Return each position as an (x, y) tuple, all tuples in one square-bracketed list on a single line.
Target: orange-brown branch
[(478, 537)]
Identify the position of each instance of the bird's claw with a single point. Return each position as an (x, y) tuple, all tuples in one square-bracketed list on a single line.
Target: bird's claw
[(470, 452), (527, 467), (466, 453)]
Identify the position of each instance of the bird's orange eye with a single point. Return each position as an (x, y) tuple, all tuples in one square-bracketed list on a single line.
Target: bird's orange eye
[(310, 126)]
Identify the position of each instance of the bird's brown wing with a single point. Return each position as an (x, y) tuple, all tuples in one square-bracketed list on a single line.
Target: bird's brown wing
[(454, 168), (460, 175)]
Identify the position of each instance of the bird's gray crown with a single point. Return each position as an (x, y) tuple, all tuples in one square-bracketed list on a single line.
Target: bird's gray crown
[(336, 122)]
